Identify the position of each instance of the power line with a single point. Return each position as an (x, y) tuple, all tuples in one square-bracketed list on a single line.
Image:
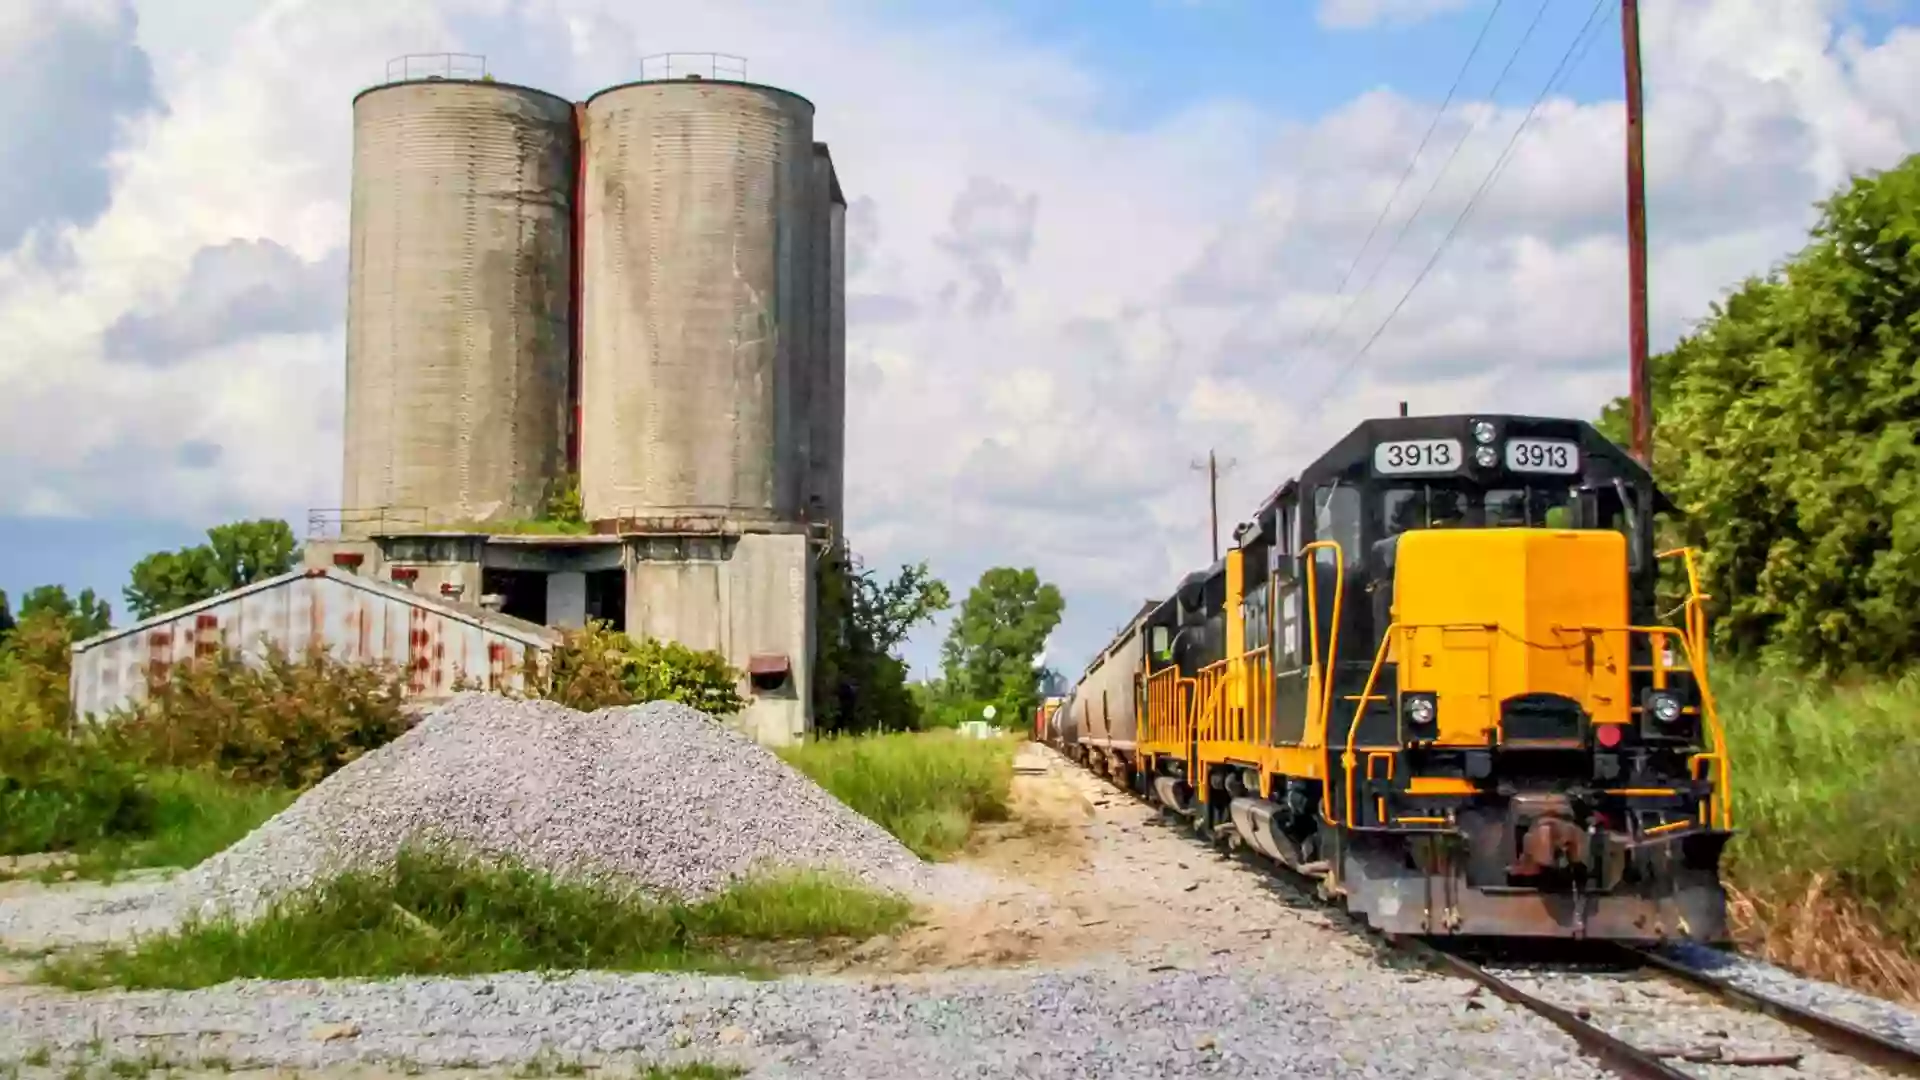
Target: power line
[(1458, 145), (1493, 174), (1412, 162)]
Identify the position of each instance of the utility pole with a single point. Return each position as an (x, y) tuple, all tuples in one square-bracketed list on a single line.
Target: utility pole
[(1212, 468), (1641, 394)]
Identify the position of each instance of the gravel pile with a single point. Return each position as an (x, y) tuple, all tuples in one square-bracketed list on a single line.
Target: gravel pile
[(659, 797)]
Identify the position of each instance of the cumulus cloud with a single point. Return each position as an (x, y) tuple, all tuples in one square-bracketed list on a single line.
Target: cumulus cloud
[(1051, 317), (235, 291), (75, 79)]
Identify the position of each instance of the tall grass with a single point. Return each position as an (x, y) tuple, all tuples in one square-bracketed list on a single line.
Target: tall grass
[(436, 913), (1826, 866), (194, 815), (928, 789)]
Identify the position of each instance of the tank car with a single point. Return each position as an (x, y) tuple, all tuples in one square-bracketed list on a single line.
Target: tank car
[(1431, 672)]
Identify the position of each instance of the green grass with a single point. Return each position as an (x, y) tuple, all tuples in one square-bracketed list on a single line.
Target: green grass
[(1824, 780), (927, 789), (194, 815), (441, 915)]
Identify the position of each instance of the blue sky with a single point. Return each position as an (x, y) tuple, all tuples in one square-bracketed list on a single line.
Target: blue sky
[(1160, 193)]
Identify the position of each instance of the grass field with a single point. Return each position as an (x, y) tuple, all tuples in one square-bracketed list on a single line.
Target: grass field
[(1827, 858), (434, 914), (928, 789)]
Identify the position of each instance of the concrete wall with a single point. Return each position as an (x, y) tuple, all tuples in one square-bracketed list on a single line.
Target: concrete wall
[(744, 597)]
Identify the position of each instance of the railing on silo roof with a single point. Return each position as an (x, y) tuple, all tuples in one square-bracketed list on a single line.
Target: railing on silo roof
[(693, 65), (415, 67)]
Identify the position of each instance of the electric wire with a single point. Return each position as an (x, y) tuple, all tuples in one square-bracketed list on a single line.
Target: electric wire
[(1407, 224), (1407, 174), (1564, 68)]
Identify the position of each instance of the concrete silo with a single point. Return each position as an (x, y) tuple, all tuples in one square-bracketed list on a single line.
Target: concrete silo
[(697, 304), (827, 400), (459, 303)]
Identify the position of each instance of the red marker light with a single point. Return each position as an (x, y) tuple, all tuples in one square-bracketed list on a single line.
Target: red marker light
[(1607, 735)]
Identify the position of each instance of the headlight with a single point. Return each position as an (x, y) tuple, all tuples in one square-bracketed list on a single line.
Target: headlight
[(1420, 710), (1486, 457), (1666, 708), (1483, 432)]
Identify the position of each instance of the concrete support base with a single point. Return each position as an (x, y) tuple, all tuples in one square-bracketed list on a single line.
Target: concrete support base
[(751, 599)]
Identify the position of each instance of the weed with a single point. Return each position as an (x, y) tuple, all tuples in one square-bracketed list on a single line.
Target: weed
[(436, 913), (39, 1057), (927, 789), (695, 1071)]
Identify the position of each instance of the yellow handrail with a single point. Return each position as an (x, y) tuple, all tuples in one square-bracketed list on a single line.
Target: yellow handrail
[(1325, 671), (1347, 758), (1723, 790)]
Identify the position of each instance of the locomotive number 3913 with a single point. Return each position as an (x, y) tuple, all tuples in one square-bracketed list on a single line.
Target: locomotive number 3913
[(1417, 456)]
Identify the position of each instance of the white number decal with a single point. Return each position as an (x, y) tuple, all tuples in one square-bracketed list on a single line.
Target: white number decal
[(1417, 456), (1543, 455)]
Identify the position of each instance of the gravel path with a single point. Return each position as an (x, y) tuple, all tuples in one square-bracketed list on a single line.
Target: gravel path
[(1877, 1015), (1699, 1034), (1113, 980)]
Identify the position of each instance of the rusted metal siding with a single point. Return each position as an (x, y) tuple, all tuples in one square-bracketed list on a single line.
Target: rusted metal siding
[(356, 619)]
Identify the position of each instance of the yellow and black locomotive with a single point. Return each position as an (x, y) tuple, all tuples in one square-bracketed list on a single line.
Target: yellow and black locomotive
[(1431, 672)]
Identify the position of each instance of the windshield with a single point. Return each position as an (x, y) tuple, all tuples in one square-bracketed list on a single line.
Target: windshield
[(1430, 507)]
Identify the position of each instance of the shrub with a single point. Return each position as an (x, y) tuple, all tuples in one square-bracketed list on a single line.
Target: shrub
[(286, 721), (599, 667), (927, 789)]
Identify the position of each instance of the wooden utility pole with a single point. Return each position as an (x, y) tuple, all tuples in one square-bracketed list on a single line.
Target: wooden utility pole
[(1641, 394), (1212, 468)]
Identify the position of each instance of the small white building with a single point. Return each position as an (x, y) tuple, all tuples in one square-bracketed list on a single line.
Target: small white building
[(359, 619)]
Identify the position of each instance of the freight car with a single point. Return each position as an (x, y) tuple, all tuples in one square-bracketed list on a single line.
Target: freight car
[(1430, 672)]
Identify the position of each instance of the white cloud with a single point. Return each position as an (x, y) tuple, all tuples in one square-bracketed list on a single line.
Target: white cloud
[(1360, 14), (1056, 318)]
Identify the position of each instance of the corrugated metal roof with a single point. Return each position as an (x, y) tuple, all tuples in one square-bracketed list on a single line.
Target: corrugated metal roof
[(358, 619), (530, 633)]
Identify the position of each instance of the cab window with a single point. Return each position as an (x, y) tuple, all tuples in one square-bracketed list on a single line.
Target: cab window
[(1424, 507), (1541, 508)]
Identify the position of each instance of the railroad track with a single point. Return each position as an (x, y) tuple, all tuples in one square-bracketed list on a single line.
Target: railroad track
[(1600, 999)]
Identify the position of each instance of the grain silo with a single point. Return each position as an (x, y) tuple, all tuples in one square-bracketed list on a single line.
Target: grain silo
[(696, 301), (459, 302)]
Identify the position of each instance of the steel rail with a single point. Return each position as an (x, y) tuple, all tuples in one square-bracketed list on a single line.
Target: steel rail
[(1839, 1035), (1615, 1054)]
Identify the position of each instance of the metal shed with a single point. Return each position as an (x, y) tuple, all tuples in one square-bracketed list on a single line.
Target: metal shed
[(357, 619)]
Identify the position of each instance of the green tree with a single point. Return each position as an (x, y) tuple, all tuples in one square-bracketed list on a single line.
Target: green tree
[(236, 554), (1789, 433), (6, 617), (860, 683), (991, 654), (85, 615)]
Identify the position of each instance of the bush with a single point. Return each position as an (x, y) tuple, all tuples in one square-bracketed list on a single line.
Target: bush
[(285, 721), (599, 667), (435, 913), (926, 789), (58, 790)]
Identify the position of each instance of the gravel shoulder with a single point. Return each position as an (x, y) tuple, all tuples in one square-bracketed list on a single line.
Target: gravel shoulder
[(1118, 948)]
